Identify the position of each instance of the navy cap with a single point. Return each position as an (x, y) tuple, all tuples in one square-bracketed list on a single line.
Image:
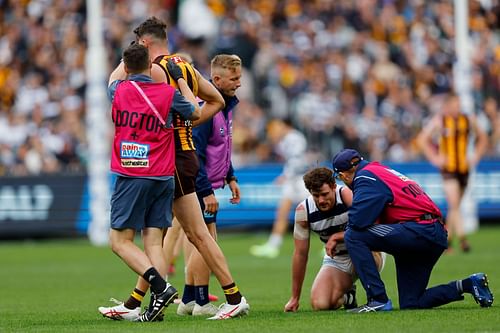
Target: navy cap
[(342, 161)]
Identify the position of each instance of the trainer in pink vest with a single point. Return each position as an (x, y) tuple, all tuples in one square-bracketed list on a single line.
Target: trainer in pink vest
[(142, 147), (410, 201)]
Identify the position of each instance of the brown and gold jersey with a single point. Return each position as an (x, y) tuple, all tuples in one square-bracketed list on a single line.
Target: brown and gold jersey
[(453, 143), (183, 127)]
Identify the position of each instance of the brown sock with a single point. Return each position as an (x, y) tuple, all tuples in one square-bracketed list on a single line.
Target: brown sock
[(135, 299), (232, 293)]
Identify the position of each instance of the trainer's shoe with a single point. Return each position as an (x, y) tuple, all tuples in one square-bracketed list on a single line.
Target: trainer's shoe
[(120, 312), (264, 251), (185, 309), (205, 310), (159, 317), (480, 290), (373, 306), (350, 301), (160, 301), (227, 311)]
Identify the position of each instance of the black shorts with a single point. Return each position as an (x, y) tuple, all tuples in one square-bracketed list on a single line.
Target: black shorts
[(463, 178), (209, 218), (186, 170)]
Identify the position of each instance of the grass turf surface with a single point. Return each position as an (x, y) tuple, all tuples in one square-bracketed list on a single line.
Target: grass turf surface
[(56, 286)]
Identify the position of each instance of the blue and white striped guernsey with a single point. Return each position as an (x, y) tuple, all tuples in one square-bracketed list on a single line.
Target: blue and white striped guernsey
[(327, 223)]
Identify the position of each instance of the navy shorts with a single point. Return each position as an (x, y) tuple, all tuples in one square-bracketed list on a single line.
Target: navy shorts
[(139, 203), (209, 218)]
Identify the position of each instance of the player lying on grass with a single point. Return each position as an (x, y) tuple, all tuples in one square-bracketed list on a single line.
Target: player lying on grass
[(325, 213)]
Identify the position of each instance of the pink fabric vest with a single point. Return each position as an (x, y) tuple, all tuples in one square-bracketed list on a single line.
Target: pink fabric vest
[(141, 146), (410, 201)]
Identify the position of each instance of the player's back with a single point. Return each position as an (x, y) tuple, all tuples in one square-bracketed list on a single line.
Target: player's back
[(183, 127)]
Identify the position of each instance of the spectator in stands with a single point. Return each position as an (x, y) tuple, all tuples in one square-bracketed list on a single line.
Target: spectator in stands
[(364, 49)]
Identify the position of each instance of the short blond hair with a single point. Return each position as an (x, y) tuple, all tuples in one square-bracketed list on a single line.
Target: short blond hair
[(225, 61)]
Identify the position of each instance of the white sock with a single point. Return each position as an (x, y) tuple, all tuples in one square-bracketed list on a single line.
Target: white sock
[(275, 240)]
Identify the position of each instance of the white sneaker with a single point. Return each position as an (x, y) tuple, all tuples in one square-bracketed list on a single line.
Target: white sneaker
[(120, 312), (205, 310), (227, 311), (185, 309), (264, 251)]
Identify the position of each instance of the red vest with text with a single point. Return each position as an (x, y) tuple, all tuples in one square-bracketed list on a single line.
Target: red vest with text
[(410, 201), (142, 147)]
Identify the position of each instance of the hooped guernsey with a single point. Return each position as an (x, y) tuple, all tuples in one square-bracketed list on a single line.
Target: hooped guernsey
[(330, 222)]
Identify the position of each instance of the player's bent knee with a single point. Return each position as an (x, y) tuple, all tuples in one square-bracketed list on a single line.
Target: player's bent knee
[(321, 304)]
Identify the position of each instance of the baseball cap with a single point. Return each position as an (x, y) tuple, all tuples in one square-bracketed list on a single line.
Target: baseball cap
[(342, 160)]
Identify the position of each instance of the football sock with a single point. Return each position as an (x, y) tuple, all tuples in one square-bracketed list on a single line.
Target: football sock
[(135, 299), (466, 285), (201, 295), (275, 240), (232, 293), (158, 284), (188, 294)]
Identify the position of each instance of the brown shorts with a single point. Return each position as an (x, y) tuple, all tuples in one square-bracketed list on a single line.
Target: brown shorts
[(462, 178), (186, 170)]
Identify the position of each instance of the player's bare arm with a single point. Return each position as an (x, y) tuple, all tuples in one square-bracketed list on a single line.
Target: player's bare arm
[(346, 195), (158, 74), (331, 244), (425, 142), (300, 257), (176, 73), (118, 73), (481, 144), (214, 102)]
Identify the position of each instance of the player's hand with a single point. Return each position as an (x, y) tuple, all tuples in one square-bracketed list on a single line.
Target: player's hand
[(331, 246), (292, 305), (211, 204), (174, 70), (235, 191)]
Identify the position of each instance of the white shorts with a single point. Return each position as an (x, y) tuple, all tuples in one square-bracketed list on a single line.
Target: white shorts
[(294, 189), (343, 263)]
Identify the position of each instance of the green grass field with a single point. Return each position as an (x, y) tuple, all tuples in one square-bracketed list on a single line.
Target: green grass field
[(56, 286)]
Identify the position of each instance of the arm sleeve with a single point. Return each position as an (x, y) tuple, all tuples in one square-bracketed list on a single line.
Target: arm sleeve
[(182, 106), (371, 196), (230, 172), (201, 134), (112, 89)]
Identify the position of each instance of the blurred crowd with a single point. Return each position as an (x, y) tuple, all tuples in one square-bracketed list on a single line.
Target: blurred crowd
[(364, 74)]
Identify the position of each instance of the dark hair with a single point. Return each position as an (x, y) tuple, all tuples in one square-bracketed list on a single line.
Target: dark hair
[(152, 26), (136, 58), (315, 178)]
